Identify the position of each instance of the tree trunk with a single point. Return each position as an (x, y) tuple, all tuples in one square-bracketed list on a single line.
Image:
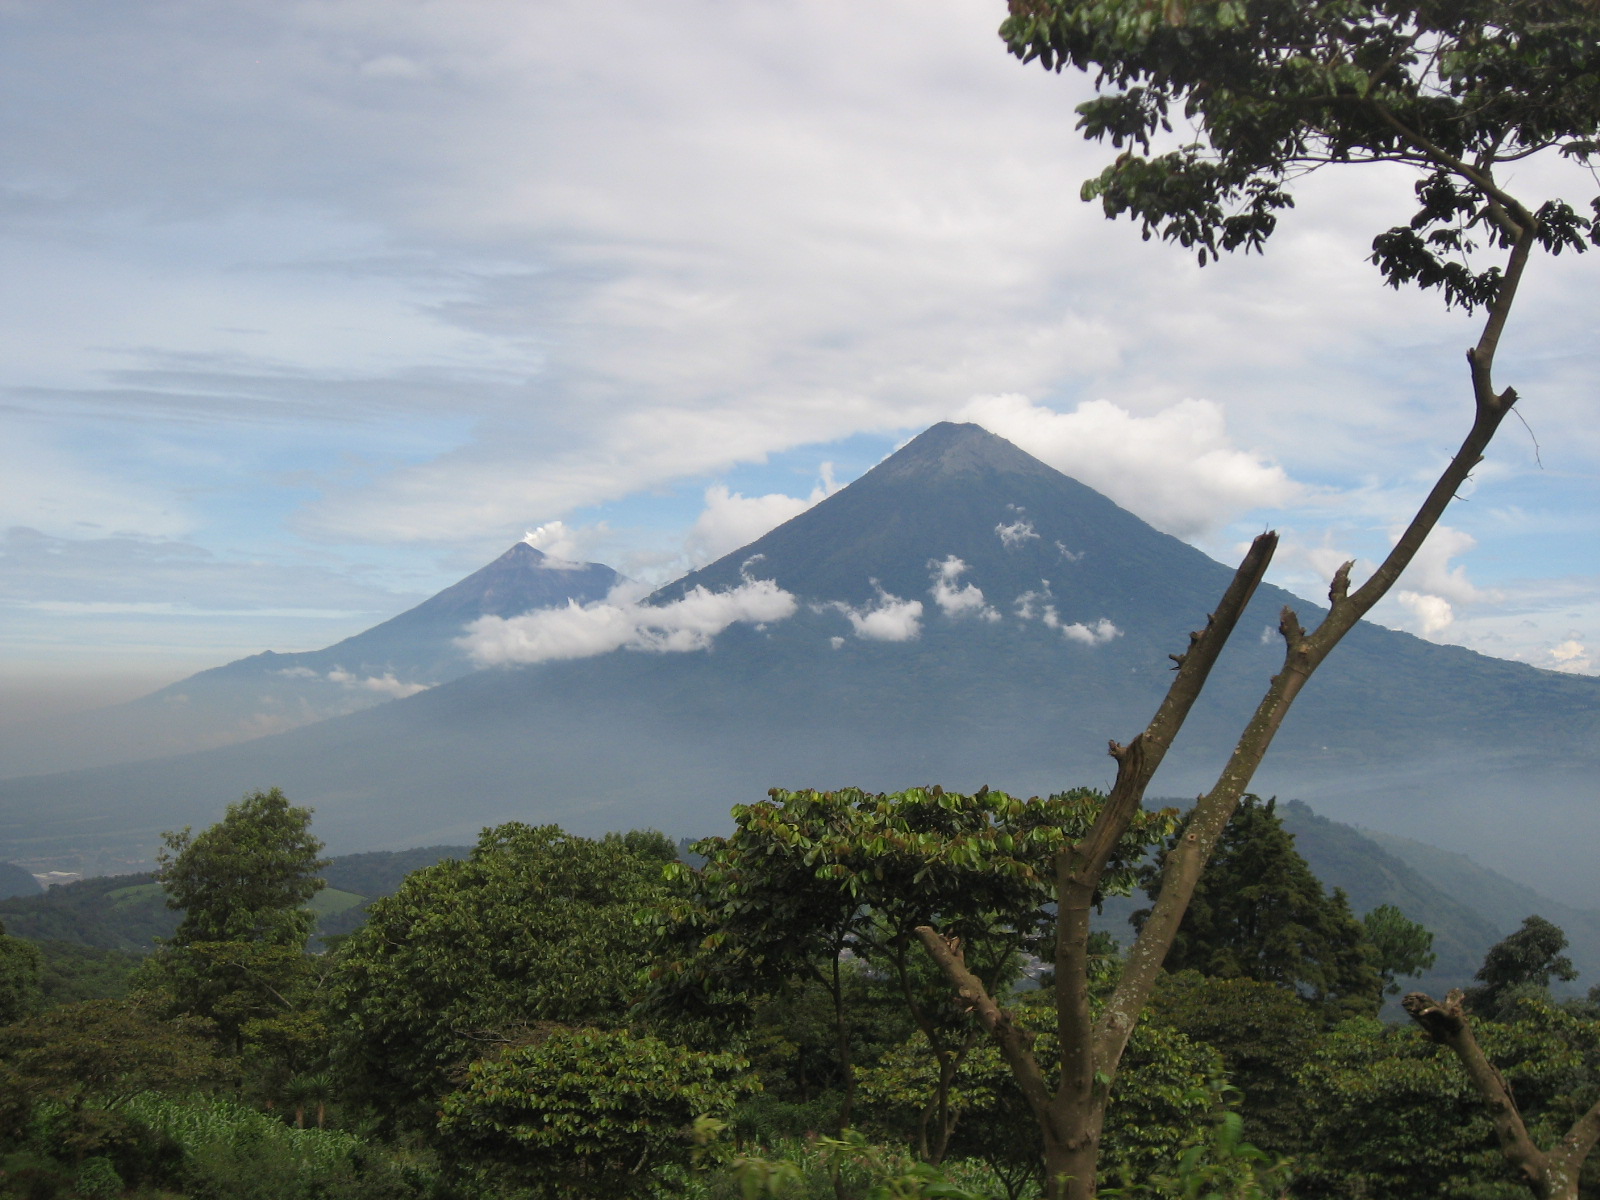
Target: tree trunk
[(1071, 1171)]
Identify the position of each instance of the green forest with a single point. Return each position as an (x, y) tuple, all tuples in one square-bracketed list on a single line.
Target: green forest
[(546, 1015)]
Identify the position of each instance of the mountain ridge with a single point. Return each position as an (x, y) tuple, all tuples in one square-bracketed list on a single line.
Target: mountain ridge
[(1087, 603)]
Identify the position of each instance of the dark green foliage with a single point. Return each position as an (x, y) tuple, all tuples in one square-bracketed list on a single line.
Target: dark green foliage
[(809, 877), (1263, 89), (105, 1051), (111, 912), (1522, 964), (1394, 1116), (586, 1112), (74, 972), (1164, 1092), (808, 874), (247, 878), (1259, 913), (534, 925), (1264, 1033), (238, 959), (21, 966), (1396, 946)]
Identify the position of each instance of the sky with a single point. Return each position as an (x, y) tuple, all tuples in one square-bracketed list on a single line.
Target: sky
[(312, 308)]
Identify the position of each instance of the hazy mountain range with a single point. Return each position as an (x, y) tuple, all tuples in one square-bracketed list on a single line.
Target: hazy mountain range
[(961, 614), (270, 692)]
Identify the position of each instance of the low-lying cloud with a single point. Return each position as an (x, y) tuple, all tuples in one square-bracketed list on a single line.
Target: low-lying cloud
[(957, 599), (387, 684), (887, 619), (1014, 534), (1098, 634), (384, 685), (623, 622), (1037, 606)]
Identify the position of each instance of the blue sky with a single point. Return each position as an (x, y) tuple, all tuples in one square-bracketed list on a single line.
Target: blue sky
[(312, 308)]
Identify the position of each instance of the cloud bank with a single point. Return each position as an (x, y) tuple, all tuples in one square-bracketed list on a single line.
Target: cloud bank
[(689, 623)]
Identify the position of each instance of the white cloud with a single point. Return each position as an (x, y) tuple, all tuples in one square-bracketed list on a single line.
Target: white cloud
[(956, 601), (1573, 656), (1045, 612), (689, 623), (561, 544), (1176, 468), (1430, 569), (1433, 613), (1098, 634), (731, 520), (887, 619), (1035, 606), (384, 685), (1016, 533)]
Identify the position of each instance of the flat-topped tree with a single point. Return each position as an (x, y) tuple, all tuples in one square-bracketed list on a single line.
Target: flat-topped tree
[(1218, 107)]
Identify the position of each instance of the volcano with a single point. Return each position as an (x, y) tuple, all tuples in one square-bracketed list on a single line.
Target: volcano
[(962, 614)]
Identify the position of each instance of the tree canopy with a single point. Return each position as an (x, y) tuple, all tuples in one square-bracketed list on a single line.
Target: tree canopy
[(1397, 947), (1259, 912), (536, 925), (1520, 964), (1222, 104), (246, 878)]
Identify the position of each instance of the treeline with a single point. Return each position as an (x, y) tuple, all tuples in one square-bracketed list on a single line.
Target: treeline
[(556, 1016)]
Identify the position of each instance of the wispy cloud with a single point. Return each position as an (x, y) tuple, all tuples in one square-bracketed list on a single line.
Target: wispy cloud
[(1039, 605), (384, 685)]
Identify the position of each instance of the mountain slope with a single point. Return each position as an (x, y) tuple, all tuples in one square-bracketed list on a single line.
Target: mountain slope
[(1020, 688), (271, 692)]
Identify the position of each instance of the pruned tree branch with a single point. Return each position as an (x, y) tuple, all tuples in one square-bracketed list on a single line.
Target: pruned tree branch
[(1015, 1042), (1448, 1025)]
